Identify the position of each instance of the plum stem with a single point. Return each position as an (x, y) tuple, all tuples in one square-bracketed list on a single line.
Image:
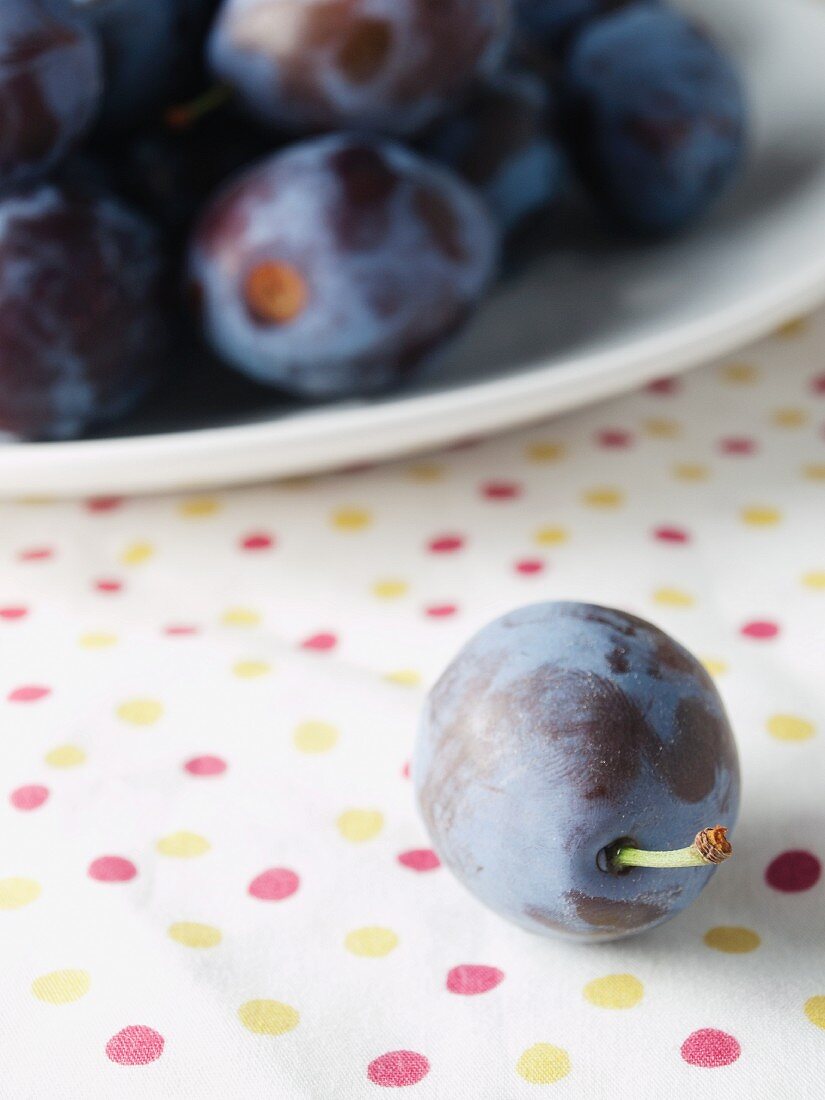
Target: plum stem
[(183, 115), (711, 846)]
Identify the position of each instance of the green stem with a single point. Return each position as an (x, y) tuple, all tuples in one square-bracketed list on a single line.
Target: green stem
[(711, 846), (183, 115)]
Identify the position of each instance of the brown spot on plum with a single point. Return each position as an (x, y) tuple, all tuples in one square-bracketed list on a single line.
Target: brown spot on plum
[(619, 914), (360, 216), (441, 223), (618, 661), (701, 744), (546, 918), (365, 50)]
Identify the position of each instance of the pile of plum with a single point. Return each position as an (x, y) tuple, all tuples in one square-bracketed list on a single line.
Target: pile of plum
[(321, 191)]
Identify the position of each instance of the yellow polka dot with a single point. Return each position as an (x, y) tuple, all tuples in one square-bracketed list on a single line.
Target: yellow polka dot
[(35, 501), (351, 519), (545, 452), (550, 536), (199, 507), (815, 1011), (137, 553), (614, 991), (372, 942), (814, 579), (793, 328), (268, 1017), (61, 987), (192, 934), (760, 515), (313, 737), (250, 670), (732, 940), (714, 666), (425, 472), (691, 471), (390, 589), (65, 756), (240, 616), (406, 677), (662, 429), (97, 640), (815, 471), (673, 597), (787, 727), (543, 1064), (603, 498), (360, 825), (740, 374), (140, 712), (789, 417), (183, 845), (17, 892)]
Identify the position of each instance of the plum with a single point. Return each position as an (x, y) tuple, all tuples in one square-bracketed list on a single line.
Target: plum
[(562, 735), (81, 292), (502, 143), (386, 65), (50, 85), (655, 117), (338, 265)]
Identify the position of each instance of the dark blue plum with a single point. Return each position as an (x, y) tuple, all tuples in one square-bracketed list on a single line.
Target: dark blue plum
[(50, 86), (82, 336), (557, 731), (385, 65), (655, 118), (502, 143), (338, 265), (554, 23), (151, 49)]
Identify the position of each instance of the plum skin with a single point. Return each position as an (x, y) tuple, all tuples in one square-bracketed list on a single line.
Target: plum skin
[(654, 116), (381, 257), (556, 731), (390, 66)]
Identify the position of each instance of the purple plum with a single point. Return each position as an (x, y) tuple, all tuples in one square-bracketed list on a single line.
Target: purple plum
[(386, 65), (561, 733), (338, 265)]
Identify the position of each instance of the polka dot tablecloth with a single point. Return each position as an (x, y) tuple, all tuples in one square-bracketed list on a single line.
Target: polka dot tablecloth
[(213, 881)]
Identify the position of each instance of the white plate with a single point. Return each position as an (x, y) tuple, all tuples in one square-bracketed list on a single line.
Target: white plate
[(589, 320)]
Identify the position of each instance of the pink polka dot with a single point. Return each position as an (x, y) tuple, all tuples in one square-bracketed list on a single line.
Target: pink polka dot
[(614, 438), (501, 490), (28, 693), (205, 766), (36, 553), (710, 1048), (445, 544), (440, 610), (30, 797), (760, 629), (13, 613), (103, 504), (321, 643), (274, 884), (112, 869), (468, 979), (529, 567), (671, 534), (180, 630), (737, 445), (818, 384), (257, 540), (793, 871), (108, 585), (398, 1068), (420, 859), (663, 387), (405, 771), (136, 1045)]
